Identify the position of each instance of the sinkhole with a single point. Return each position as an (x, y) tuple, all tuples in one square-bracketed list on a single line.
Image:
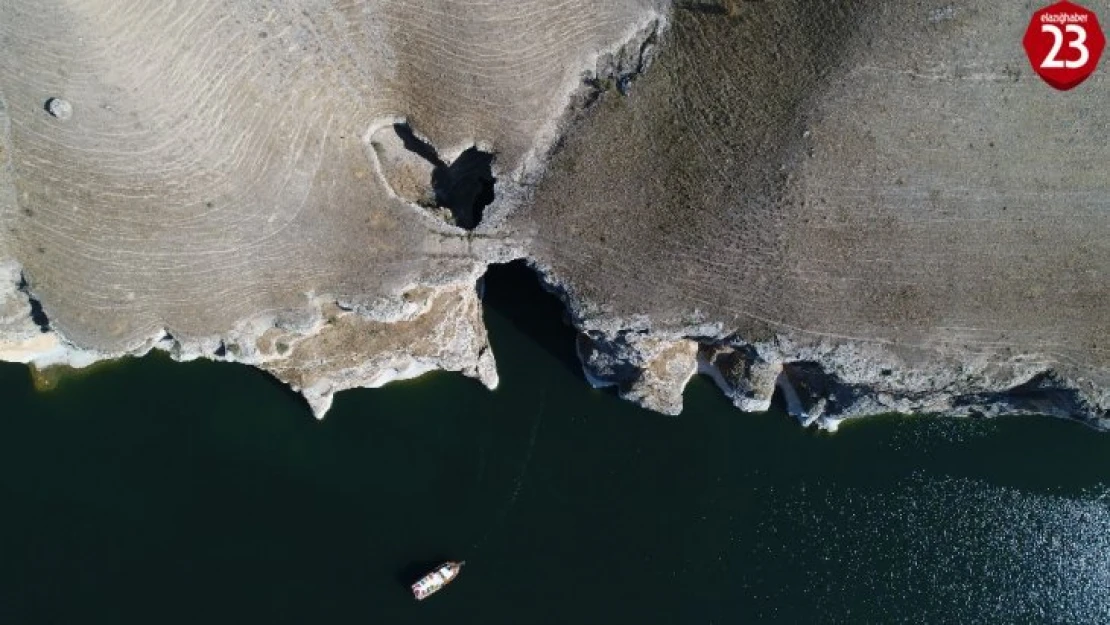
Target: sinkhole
[(457, 192)]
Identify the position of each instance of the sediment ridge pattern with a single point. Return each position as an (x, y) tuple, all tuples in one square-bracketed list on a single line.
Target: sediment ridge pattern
[(864, 206)]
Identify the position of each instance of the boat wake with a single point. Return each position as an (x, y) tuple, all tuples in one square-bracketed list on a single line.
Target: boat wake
[(518, 481)]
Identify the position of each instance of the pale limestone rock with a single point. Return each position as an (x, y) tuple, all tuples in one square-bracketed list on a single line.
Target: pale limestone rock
[(746, 378), (664, 375), (648, 371), (349, 351), (407, 174)]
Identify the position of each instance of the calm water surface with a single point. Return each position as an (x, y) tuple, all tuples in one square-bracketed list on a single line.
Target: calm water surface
[(154, 492)]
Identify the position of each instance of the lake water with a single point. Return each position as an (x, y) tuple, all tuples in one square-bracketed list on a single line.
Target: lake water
[(155, 492)]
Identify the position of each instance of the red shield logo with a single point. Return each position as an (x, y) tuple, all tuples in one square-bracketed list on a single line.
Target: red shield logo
[(1064, 42)]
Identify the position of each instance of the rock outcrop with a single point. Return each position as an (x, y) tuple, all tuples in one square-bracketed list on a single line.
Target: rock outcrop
[(223, 179), (647, 370), (865, 206), (879, 198)]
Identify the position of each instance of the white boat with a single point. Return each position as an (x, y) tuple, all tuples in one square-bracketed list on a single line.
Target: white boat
[(432, 582)]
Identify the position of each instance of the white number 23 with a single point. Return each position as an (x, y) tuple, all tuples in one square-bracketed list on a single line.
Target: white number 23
[(1051, 61)]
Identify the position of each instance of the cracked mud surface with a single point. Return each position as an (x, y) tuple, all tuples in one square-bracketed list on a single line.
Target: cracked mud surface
[(871, 206)]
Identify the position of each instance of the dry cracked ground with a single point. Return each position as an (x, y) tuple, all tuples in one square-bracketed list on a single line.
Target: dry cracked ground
[(866, 206)]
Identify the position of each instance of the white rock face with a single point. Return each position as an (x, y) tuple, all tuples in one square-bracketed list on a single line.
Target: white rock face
[(647, 370), (59, 108), (348, 351), (21, 335), (744, 376)]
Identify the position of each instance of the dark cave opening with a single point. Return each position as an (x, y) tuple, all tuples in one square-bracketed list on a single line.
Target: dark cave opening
[(516, 292), (465, 187)]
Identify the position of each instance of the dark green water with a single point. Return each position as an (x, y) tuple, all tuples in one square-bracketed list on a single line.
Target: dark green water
[(154, 492)]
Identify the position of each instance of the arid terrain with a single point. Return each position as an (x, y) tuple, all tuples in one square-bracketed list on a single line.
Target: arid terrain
[(866, 206)]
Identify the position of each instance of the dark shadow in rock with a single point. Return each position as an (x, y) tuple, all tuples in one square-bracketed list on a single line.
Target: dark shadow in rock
[(38, 315), (730, 8), (416, 145), (514, 291), (1045, 394), (466, 186), (702, 6)]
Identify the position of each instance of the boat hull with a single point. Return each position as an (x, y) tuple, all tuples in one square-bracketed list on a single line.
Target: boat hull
[(436, 580)]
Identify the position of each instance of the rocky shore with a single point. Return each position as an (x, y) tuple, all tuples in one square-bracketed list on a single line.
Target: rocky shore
[(866, 207)]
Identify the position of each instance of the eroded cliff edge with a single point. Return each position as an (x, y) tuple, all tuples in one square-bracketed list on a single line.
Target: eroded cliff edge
[(219, 180), (872, 206), (876, 207)]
